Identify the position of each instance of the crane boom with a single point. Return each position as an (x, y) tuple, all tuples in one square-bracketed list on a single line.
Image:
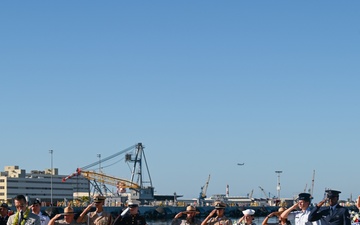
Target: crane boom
[(109, 157), (263, 191), (79, 170), (266, 196), (114, 181), (305, 188), (251, 194), (204, 189), (206, 186)]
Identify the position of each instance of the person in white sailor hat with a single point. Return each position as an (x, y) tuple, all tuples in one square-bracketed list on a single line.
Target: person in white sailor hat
[(190, 219), (131, 215), (247, 218), (220, 218), (99, 216)]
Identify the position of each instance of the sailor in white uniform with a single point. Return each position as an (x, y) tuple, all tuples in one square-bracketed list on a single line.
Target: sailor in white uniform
[(248, 218), (36, 209)]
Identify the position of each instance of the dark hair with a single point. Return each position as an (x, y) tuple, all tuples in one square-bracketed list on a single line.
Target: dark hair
[(20, 197)]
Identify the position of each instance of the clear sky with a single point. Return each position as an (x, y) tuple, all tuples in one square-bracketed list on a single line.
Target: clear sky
[(204, 85)]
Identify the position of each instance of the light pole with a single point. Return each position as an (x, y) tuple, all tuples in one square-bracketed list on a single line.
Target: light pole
[(175, 199), (51, 178), (99, 156), (278, 187)]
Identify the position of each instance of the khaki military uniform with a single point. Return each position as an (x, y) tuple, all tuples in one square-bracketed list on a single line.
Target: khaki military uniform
[(219, 221), (63, 222), (93, 218)]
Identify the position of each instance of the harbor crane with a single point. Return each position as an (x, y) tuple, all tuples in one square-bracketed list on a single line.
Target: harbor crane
[(266, 196), (136, 184), (202, 194), (310, 190)]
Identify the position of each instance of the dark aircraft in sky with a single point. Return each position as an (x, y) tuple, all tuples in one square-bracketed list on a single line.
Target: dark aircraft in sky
[(241, 164)]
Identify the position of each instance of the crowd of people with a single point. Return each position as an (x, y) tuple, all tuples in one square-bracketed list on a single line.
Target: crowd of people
[(300, 213), (26, 214)]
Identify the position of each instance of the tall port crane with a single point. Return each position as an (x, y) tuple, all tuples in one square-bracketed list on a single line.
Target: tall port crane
[(310, 190), (202, 194), (137, 182)]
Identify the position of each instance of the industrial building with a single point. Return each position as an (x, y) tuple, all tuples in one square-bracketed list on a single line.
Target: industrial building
[(46, 185)]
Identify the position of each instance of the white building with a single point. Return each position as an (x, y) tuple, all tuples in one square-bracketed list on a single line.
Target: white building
[(46, 185)]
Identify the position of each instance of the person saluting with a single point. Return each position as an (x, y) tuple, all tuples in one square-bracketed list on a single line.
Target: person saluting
[(23, 216), (300, 211), (334, 214), (99, 216), (190, 217), (131, 215), (220, 218)]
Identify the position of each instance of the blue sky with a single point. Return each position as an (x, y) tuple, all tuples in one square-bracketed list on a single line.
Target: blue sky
[(202, 84)]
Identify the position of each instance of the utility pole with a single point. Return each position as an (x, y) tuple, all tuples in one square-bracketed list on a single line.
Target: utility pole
[(51, 178), (101, 180), (278, 187)]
